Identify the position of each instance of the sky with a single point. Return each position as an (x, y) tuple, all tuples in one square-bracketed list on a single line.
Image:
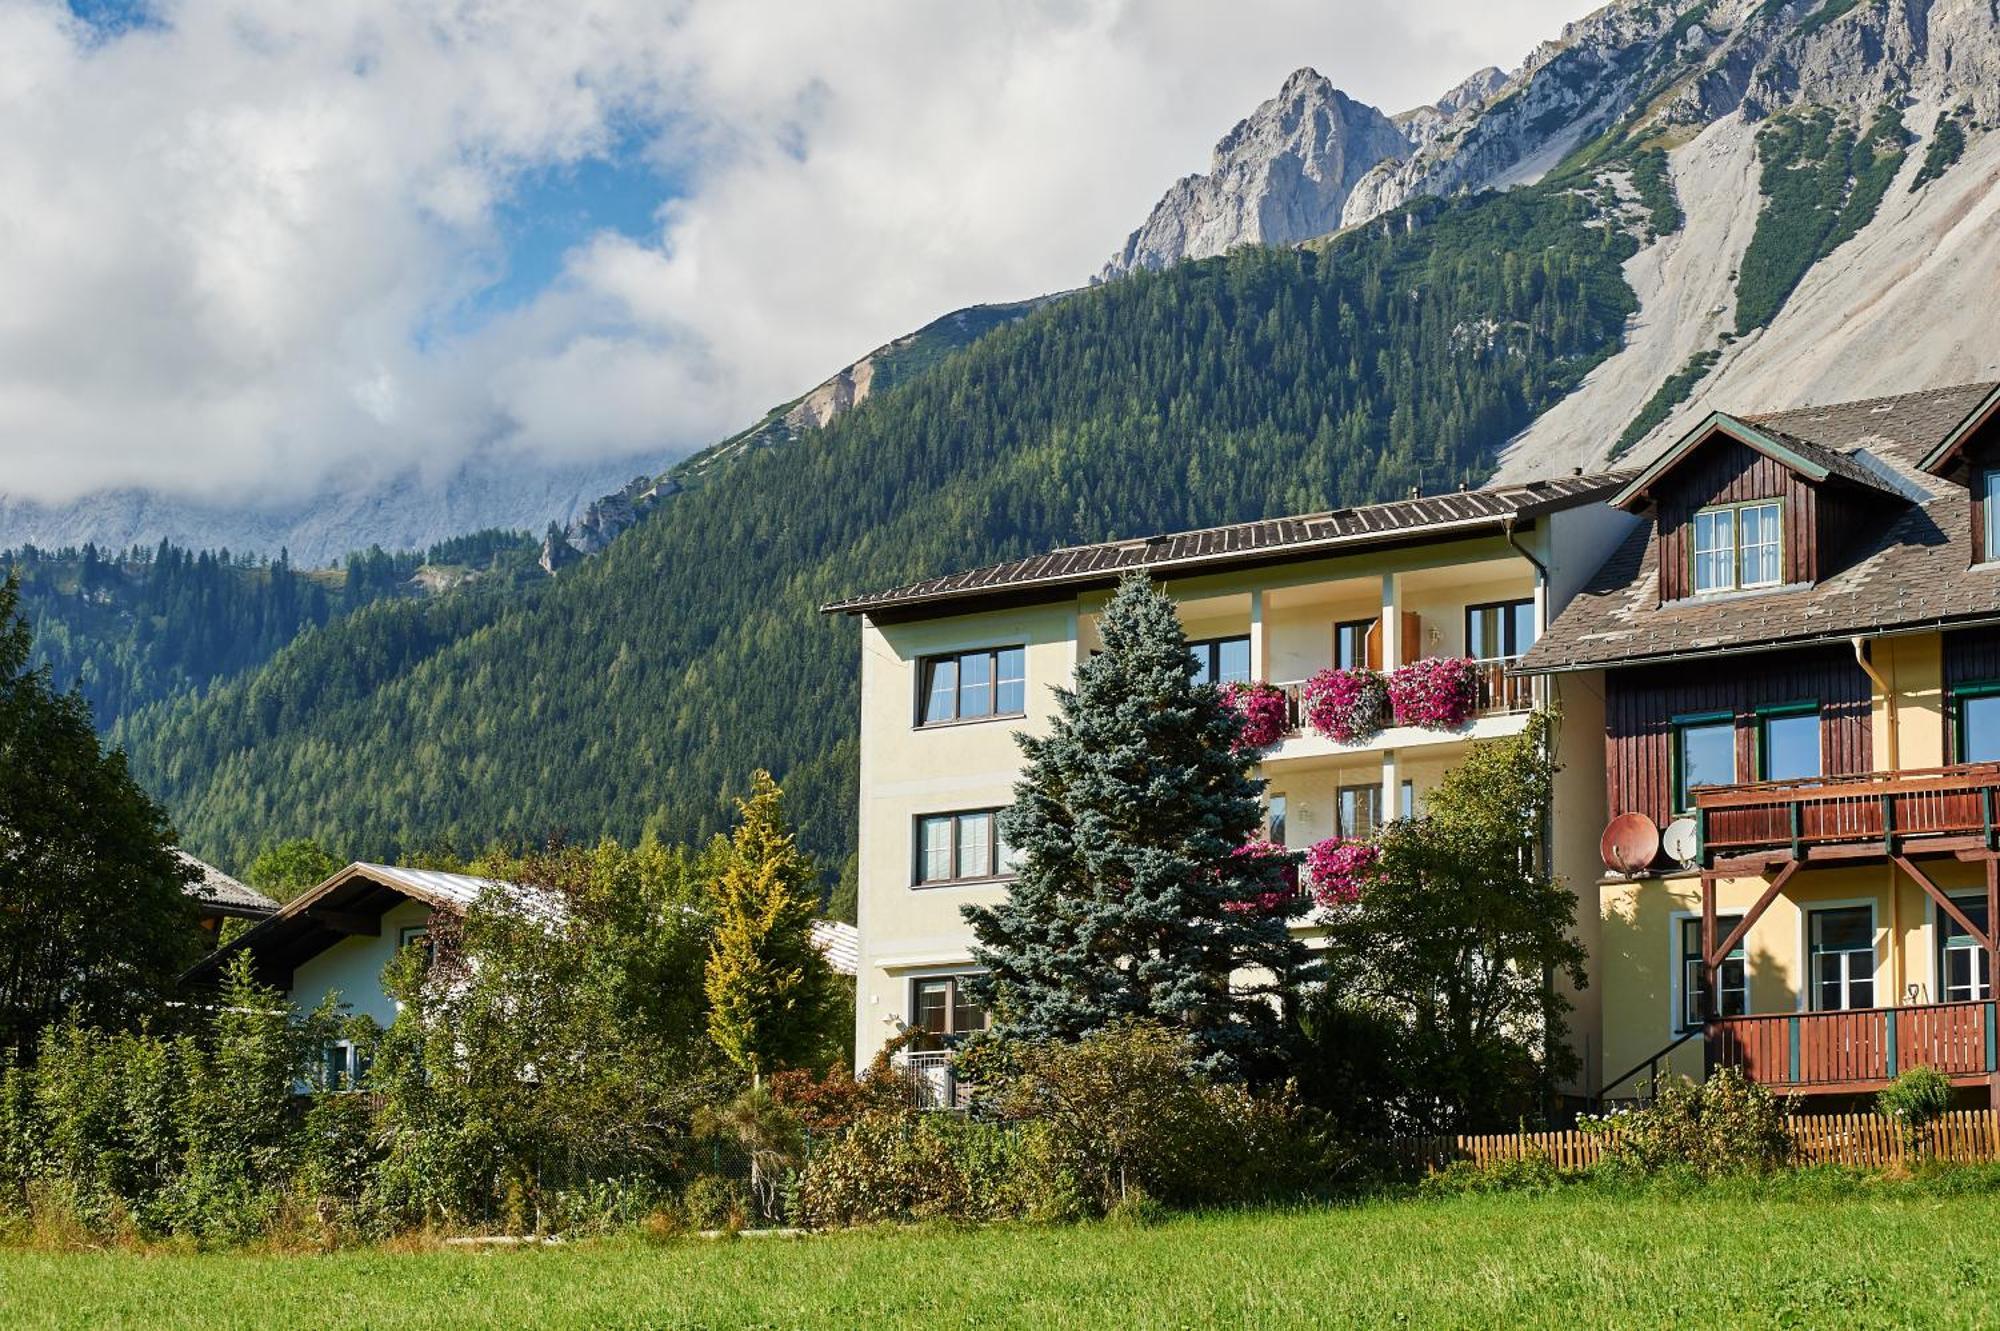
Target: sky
[(253, 248)]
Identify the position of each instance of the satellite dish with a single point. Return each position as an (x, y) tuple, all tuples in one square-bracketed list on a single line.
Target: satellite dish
[(1679, 841), (1630, 844)]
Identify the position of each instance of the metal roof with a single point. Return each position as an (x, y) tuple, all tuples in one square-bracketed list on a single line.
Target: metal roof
[(839, 943), (1402, 521)]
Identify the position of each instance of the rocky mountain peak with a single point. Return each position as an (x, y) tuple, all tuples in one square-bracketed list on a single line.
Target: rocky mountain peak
[(1281, 175)]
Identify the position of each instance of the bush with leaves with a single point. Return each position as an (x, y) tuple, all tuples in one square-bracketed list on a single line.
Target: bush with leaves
[(198, 1134), (1727, 1124), (1128, 1111), (552, 1044), (1915, 1099)]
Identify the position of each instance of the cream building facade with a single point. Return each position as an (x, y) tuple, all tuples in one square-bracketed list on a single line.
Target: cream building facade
[(954, 668)]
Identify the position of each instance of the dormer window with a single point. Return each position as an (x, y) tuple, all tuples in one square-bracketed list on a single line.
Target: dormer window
[(1738, 546), (1989, 512)]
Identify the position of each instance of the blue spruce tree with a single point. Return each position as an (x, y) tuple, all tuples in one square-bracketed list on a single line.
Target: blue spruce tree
[(1132, 899)]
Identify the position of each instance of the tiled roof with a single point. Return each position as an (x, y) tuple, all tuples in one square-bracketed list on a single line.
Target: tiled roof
[(1914, 570), (1400, 521), (223, 894)]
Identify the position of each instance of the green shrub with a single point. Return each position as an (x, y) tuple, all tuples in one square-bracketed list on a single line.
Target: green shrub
[(888, 1166), (715, 1202), (1128, 1110), (1725, 1125), (1915, 1099)]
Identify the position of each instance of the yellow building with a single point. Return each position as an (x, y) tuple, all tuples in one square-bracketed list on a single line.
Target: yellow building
[(1798, 657), (954, 667)]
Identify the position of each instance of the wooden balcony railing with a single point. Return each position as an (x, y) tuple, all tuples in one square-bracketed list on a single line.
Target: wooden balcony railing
[(1500, 694), (1883, 809), (1858, 1050)]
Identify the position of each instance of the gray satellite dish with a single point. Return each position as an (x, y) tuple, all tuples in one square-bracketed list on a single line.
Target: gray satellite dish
[(1679, 841)]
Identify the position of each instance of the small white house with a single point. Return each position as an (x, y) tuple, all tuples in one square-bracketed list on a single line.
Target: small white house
[(338, 937)]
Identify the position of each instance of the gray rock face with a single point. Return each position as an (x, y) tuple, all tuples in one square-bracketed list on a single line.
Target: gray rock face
[(1631, 65), (1282, 175)]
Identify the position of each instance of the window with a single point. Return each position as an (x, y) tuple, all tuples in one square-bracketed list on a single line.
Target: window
[(1842, 945), (961, 847), (1989, 512), (1704, 754), (1965, 972), (973, 686), (1788, 743), (1350, 643), (944, 1005), (1221, 660), (1274, 820), (1360, 811), (342, 1066), (1409, 809), (1979, 725), (1499, 631), (1738, 546), (1733, 974), (418, 935)]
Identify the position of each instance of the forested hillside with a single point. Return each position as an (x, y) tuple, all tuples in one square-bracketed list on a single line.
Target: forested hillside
[(142, 626), (639, 690)]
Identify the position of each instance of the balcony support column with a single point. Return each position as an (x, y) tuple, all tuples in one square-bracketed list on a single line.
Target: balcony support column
[(1259, 658), (1992, 973), (1392, 624)]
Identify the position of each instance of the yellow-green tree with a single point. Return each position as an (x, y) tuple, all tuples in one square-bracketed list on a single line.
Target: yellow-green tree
[(768, 986)]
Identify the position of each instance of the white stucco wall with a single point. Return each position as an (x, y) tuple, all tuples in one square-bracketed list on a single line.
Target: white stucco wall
[(352, 968)]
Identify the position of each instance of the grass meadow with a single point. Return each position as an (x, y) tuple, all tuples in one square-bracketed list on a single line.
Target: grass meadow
[(1860, 1256)]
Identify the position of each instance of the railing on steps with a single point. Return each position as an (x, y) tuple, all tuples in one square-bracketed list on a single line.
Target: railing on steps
[(1650, 1066), (930, 1079)]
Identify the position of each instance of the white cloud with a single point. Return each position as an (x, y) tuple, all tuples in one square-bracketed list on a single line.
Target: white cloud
[(237, 246)]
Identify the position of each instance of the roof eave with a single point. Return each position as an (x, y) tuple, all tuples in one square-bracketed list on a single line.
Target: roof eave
[(1940, 458), (1639, 488), (1415, 535)]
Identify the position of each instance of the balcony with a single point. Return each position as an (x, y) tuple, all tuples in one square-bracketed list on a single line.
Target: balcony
[(1501, 700), (1857, 1051), (1937, 810)]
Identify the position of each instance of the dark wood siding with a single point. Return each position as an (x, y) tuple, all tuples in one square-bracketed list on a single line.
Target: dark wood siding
[(1971, 656), (1726, 472), (1641, 702)]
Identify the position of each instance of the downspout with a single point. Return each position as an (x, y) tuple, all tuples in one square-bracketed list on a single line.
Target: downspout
[(1897, 969), (1861, 658), (1548, 828)]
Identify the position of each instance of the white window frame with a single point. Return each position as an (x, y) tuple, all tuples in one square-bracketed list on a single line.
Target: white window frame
[(1981, 961), (1809, 989), (1735, 546)]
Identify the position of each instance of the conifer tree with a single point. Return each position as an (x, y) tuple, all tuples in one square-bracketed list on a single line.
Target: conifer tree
[(1131, 899), (768, 987)]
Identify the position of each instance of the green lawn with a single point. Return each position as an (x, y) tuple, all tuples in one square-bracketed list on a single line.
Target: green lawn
[(1567, 1260)]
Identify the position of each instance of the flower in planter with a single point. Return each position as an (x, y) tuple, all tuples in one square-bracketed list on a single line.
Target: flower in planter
[(1262, 707), (1437, 693), (1338, 869), (1347, 706), (1273, 893)]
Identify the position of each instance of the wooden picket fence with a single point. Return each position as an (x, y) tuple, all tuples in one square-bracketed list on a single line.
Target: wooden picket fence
[(1862, 1141)]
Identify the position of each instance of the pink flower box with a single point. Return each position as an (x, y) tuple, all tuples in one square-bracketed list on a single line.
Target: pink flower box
[(1437, 693), (1347, 706), (1262, 707), (1338, 869)]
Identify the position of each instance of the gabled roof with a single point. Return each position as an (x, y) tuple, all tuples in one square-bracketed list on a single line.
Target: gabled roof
[(1815, 462), (1178, 554), (219, 894), (349, 902), (1939, 459), (1912, 570)]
